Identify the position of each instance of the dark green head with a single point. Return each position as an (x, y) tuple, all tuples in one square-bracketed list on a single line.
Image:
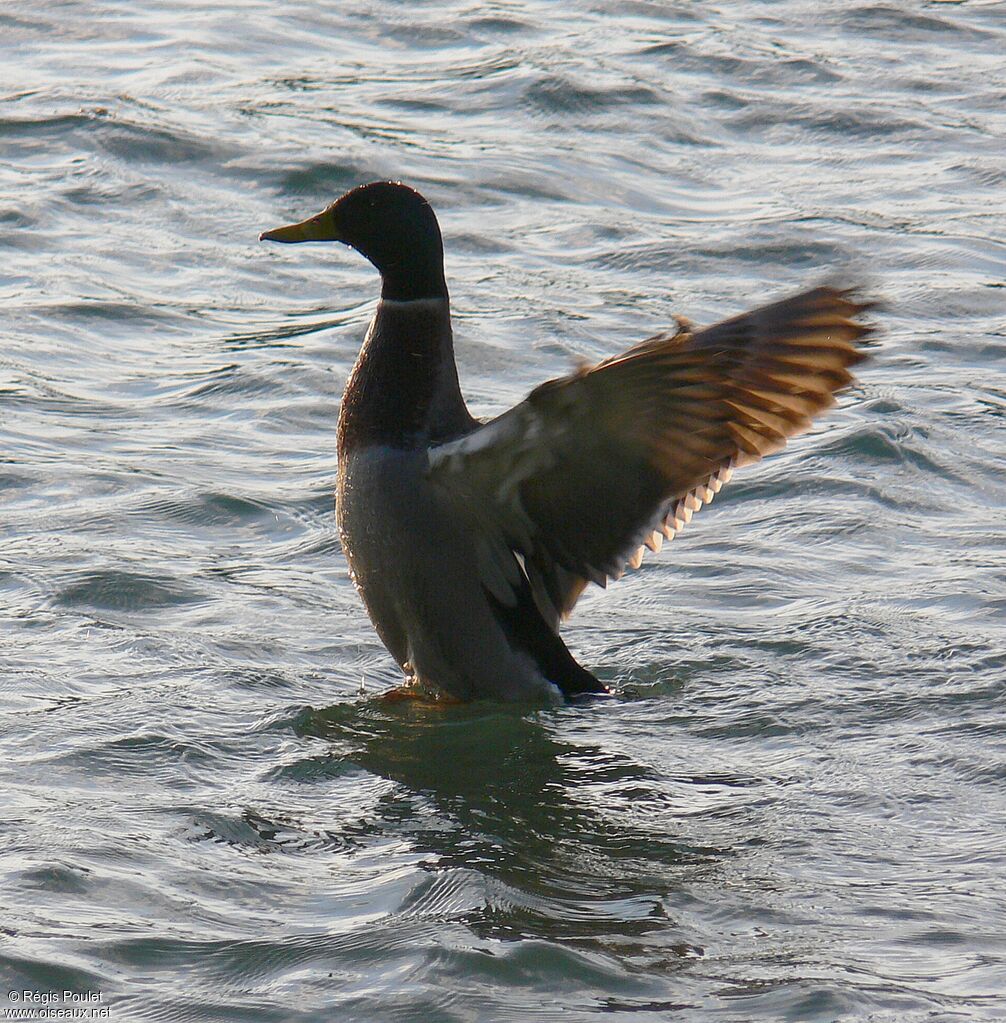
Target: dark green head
[(393, 226)]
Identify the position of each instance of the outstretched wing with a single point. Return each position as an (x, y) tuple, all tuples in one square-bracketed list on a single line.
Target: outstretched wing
[(591, 467)]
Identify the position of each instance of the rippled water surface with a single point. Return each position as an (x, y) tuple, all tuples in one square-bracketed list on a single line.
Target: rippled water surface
[(793, 807)]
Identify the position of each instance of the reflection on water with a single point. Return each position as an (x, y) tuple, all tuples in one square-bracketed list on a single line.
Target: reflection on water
[(553, 827)]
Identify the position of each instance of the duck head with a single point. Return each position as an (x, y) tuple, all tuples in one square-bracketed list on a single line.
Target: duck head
[(389, 223)]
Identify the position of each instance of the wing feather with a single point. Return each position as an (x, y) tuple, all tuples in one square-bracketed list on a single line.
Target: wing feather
[(593, 467)]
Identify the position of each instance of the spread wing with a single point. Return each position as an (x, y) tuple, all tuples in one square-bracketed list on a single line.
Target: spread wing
[(591, 467)]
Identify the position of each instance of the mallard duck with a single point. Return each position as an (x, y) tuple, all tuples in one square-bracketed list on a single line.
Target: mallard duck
[(470, 541)]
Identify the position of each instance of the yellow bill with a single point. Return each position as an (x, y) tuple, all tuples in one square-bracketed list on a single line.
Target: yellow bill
[(320, 228)]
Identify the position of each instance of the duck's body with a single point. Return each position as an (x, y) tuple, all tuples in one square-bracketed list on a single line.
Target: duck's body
[(413, 553), (469, 542), (415, 564)]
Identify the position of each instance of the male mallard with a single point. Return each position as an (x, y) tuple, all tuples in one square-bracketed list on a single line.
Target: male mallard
[(469, 541)]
